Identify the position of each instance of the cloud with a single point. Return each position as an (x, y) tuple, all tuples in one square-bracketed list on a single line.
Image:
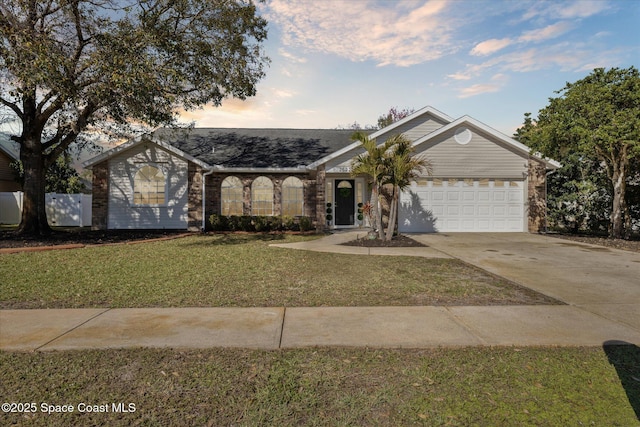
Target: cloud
[(478, 89), (291, 57), (576, 9), (546, 33), (388, 33), (490, 46), (497, 82), (459, 76)]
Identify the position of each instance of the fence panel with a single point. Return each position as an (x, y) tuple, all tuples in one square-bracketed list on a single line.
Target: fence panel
[(10, 207), (63, 210)]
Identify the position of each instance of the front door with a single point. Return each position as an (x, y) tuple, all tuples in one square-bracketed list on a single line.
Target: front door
[(345, 202)]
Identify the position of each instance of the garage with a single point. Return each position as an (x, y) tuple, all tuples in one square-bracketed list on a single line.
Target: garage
[(450, 205)]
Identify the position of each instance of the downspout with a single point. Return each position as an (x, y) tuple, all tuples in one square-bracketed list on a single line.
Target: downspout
[(204, 187)]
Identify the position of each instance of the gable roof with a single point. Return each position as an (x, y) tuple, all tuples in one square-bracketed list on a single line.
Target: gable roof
[(234, 149), (6, 147), (508, 141), (135, 142), (428, 110), (421, 112)]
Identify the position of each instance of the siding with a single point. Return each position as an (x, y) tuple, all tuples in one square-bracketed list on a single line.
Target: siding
[(7, 178), (416, 128), (480, 158), (123, 214)]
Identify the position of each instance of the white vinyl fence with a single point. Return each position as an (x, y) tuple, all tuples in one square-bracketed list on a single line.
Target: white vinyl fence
[(63, 210)]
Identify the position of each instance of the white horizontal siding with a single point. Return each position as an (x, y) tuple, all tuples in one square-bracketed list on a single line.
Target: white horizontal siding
[(416, 128), (480, 158), (123, 214)]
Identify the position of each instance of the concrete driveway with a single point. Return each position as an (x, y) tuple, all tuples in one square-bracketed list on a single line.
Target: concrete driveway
[(596, 279)]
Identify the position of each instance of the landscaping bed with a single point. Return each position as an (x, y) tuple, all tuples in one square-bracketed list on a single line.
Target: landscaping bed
[(398, 241), (627, 245), (81, 236)]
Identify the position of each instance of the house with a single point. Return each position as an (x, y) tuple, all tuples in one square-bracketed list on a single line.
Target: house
[(8, 181), (482, 179)]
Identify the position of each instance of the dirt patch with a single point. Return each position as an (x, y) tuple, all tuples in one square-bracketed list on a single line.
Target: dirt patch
[(9, 239), (399, 241), (632, 245)]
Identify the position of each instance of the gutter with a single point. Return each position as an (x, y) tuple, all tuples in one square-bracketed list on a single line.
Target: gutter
[(204, 192)]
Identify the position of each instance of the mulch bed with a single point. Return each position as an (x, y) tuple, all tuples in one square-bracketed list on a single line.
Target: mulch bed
[(398, 241), (632, 245), (9, 239)]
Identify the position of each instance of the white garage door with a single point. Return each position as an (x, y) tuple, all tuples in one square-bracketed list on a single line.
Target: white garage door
[(462, 205)]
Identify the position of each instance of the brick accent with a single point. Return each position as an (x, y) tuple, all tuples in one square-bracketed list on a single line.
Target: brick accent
[(194, 197), (100, 196), (537, 190), (320, 199)]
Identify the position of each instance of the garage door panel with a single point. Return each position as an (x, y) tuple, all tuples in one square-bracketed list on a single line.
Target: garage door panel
[(464, 206)]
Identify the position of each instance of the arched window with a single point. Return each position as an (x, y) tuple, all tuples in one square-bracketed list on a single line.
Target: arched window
[(149, 186), (262, 196), (292, 197), (231, 196)]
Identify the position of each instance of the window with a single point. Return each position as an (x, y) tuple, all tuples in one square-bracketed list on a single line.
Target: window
[(292, 197), (231, 196), (149, 186), (262, 196)]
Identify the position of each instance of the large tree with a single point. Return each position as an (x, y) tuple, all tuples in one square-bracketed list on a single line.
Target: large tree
[(596, 117), (72, 66)]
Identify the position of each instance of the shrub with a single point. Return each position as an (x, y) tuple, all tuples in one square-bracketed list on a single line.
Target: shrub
[(305, 223), (289, 223), (218, 222)]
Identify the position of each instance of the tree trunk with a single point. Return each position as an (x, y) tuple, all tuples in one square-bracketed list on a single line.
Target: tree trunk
[(618, 179), (378, 212), (34, 215), (393, 214)]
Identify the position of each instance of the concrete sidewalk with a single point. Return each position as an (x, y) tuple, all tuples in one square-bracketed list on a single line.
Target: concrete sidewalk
[(274, 328), (593, 315)]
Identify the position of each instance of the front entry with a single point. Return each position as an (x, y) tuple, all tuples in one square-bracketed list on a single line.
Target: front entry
[(345, 202)]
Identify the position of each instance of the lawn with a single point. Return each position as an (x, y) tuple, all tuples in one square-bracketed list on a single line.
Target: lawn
[(341, 387), (242, 271), (319, 386)]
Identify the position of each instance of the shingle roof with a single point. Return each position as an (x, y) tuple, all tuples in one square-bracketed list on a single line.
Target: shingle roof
[(256, 148)]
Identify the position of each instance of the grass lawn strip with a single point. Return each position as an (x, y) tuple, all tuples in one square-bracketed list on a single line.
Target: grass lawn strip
[(459, 387), (242, 271)]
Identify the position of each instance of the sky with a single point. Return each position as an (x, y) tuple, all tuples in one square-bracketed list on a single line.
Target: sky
[(336, 62)]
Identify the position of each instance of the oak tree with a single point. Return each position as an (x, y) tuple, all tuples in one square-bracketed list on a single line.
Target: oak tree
[(596, 117), (70, 67)]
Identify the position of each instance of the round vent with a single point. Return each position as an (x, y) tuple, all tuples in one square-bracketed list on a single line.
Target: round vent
[(462, 136)]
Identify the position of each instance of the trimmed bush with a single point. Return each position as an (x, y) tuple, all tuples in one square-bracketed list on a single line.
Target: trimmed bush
[(261, 224)]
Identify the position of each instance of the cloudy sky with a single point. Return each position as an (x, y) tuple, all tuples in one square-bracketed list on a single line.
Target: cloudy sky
[(335, 62)]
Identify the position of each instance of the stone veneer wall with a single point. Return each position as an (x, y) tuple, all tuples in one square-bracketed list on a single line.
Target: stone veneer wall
[(537, 191), (194, 209), (214, 183), (320, 199), (100, 196)]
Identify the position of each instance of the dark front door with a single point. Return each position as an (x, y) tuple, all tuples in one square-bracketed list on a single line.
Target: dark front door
[(345, 202)]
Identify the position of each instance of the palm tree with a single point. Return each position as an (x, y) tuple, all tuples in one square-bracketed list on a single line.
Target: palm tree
[(372, 163), (402, 166)]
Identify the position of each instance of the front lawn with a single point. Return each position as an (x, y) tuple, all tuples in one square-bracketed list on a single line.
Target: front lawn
[(335, 387), (241, 271)]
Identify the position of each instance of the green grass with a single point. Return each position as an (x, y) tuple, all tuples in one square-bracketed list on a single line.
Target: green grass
[(458, 387), (241, 270)]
